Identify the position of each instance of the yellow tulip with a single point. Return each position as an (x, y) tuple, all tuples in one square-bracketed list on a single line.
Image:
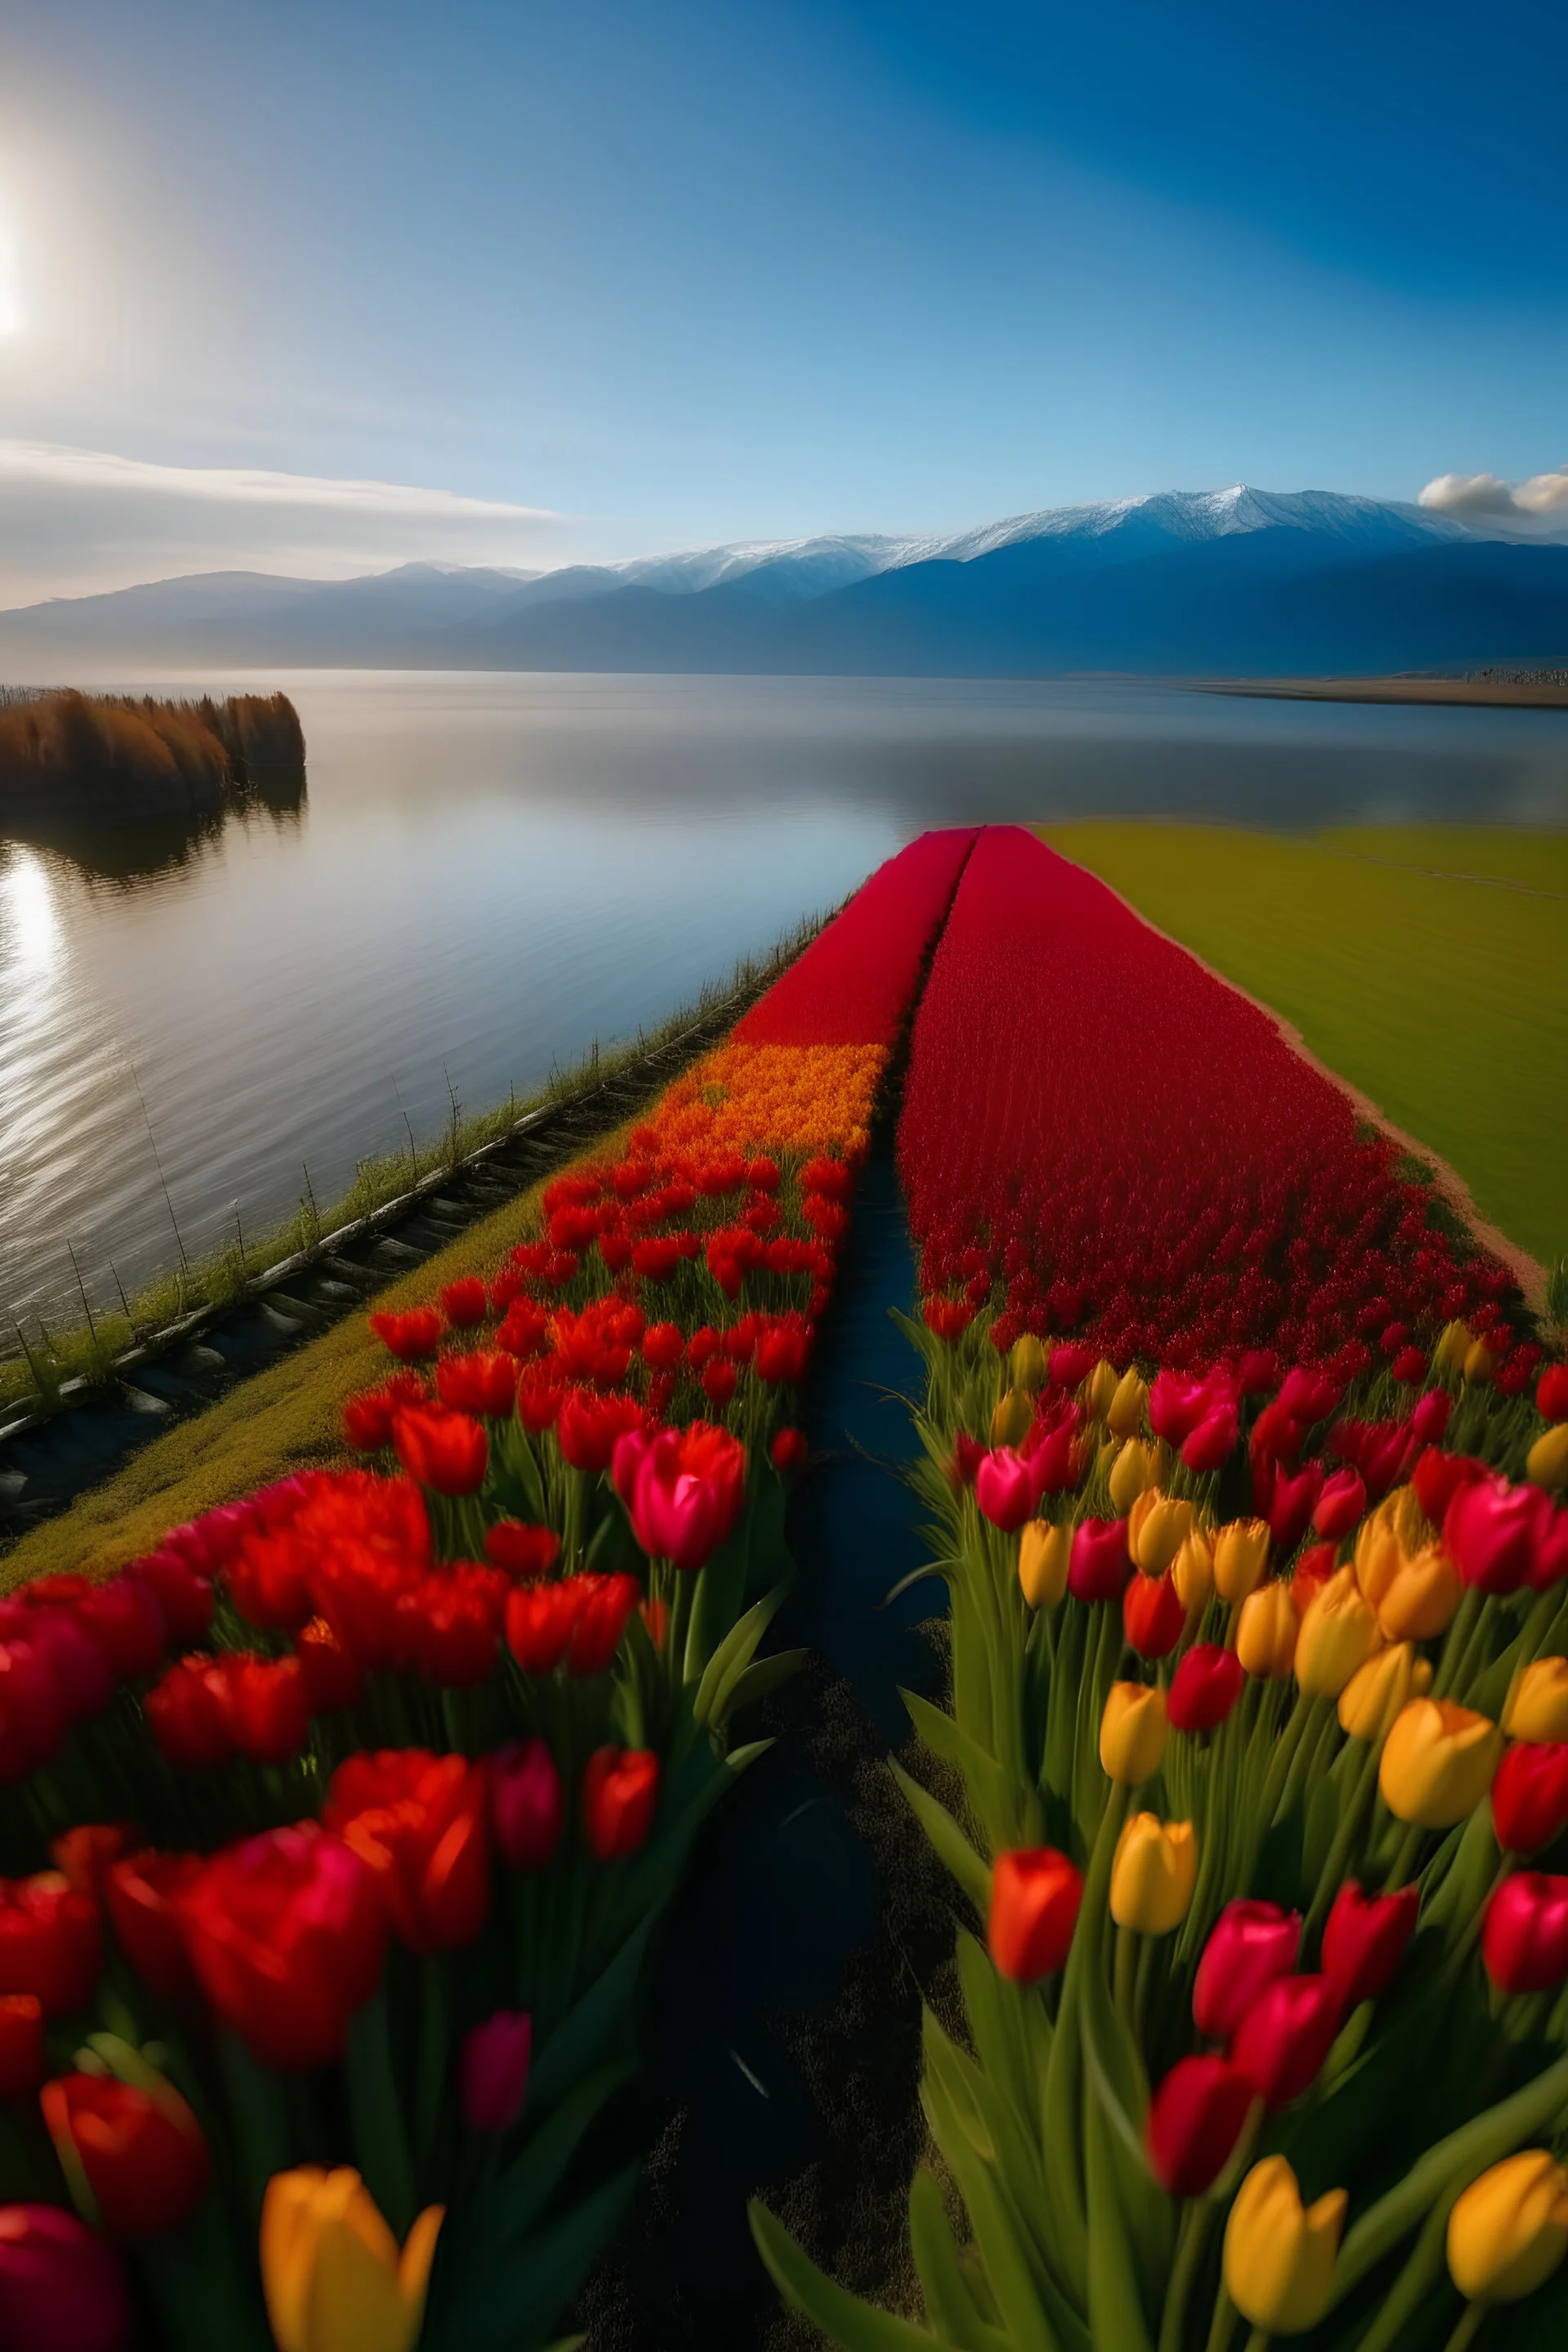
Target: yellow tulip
[(1099, 1390), (1407, 1519), (1479, 1361), (1376, 1693), (1045, 1553), (1538, 1704), (1157, 1527), (1010, 1421), (1028, 1363), (1240, 1559), (1423, 1599), (1509, 2229), (1134, 1468), (1192, 1572), (1265, 1632), (1279, 2254), (1152, 1874), (1125, 1418), (1454, 1344), (1132, 1733), (1339, 1633), (1378, 1552), (1437, 1763), (1546, 1463), (330, 2271)]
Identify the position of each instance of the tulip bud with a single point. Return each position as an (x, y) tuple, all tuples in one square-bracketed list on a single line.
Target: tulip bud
[(1546, 1463), (1538, 1704), (1132, 1734), (60, 2284), (1240, 1559), (1157, 1526), (1374, 1694), (1265, 1632), (1339, 1633), (1493, 1531), (1339, 1506), (1098, 1392), (1508, 2231), (331, 2270), (620, 1790), (492, 2071), (1249, 1945), (1423, 1598), (1005, 1489), (1281, 2043), (1043, 1553), (1152, 1874), (141, 2151), (1529, 1797), (1279, 2255), (1152, 1616), (1034, 1897), (1010, 1421), (1099, 1567), (1194, 2121), (1124, 1417), (1134, 1468), (1479, 1361), (1524, 1936), (1206, 1686), (1437, 1763), (1027, 1363), (1192, 1572), (1365, 1940), (1454, 1344)]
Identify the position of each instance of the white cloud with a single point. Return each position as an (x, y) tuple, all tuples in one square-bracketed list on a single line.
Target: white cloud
[(78, 520), (1541, 501)]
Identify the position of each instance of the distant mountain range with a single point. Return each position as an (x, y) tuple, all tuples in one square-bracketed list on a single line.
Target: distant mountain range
[(1232, 583)]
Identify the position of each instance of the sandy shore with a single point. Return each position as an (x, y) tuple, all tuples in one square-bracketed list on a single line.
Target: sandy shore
[(1389, 690)]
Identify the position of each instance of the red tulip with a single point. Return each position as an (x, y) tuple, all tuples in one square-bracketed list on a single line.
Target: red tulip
[(457, 1623), (1409, 1368), (1281, 2043), (526, 1803), (1005, 1489), (50, 1942), (1152, 1615), (663, 1346), (1211, 1444), (142, 2152), (1438, 1476), (587, 1427), (1430, 1417), (1551, 1392), (1342, 1503), (1529, 1796), (464, 1303), (187, 1713), (1100, 1563), (492, 2071), (1524, 1937), (421, 1821), (1292, 1504), (683, 1490), (620, 1789), (1204, 1688), (83, 1856), (1194, 2121), (122, 1616), (1177, 1403), (182, 1593), (485, 1384), (1057, 1462), (1250, 1944), (719, 1382), (1034, 1897), (1491, 1529), (141, 1895), (408, 1337), (1364, 1939), (21, 2045), (446, 1451), (286, 1933), (61, 2288), (268, 1709), (82, 1676), (521, 1549), (789, 1451), (32, 1719), (783, 1350), (328, 1671)]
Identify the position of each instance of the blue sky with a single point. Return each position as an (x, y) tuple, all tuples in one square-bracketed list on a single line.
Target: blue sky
[(639, 275)]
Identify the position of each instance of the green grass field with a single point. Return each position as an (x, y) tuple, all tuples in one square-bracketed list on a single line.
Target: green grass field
[(1427, 965)]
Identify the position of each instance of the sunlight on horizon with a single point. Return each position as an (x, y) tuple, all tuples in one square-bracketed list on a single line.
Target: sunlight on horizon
[(12, 319)]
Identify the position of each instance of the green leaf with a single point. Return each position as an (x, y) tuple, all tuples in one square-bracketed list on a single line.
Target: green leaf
[(983, 1776), (735, 1652), (380, 2132), (582, 2034), (761, 1678), (952, 1848), (513, 2303), (525, 2186), (948, 2297), (858, 2326)]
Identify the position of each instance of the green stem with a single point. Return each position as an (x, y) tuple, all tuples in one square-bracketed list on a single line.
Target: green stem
[(1352, 1828), (1471, 2321), (1405, 1855), (1223, 2327), (1125, 1969), (1192, 2245)]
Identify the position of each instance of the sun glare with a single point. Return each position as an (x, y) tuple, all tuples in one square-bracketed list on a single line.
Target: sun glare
[(11, 319)]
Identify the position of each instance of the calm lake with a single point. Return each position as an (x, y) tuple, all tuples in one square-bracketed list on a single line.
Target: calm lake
[(492, 871)]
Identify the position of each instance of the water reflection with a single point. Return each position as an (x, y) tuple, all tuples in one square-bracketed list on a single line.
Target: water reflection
[(132, 849)]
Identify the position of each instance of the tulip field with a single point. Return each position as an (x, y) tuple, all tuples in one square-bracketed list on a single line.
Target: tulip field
[(339, 1827)]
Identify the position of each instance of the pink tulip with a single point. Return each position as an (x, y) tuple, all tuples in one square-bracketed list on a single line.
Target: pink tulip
[(1054, 1463), (1100, 1562), (1492, 1530), (686, 1491), (1211, 1443), (1177, 1403), (1005, 1489), (526, 1808), (1309, 1396), (1339, 1506), (1430, 1418), (492, 2071), (1250, 1944), (1292, 1504), (61, 2288)]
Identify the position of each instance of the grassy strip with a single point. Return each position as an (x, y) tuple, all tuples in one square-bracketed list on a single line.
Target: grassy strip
[(1443, 998), (87, 1352), (282, 1420)]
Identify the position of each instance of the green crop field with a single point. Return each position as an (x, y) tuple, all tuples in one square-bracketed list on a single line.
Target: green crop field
[(1427, 965)]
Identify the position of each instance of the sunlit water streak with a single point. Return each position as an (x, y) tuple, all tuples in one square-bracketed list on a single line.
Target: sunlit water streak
[(492, 871)]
